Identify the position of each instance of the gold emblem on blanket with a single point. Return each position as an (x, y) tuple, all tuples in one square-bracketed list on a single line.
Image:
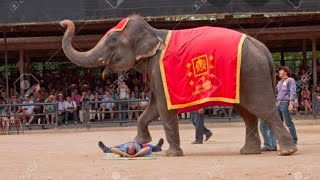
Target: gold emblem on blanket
[(199, 73), (200, 65)]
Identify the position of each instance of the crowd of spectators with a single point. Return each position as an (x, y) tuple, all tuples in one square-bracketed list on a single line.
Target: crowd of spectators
[(69, 89), (304, 95)]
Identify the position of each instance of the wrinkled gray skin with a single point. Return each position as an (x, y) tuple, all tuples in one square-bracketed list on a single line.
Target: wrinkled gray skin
[(139, 46)]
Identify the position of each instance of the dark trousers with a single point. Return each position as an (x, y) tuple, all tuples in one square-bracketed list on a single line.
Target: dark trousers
[(123, 106), (155, 148), (198, 121), (61, 117), (285, 116), (75, 116)]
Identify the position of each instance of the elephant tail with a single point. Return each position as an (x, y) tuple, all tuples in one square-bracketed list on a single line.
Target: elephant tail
[(270, 60), (272, 68)]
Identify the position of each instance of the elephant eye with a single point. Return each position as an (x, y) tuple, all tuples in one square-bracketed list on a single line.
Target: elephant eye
[(113, 39)]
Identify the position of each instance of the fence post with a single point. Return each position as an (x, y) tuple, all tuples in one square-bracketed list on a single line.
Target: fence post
[(314, 104), (128, 110), (57, 114), (86, 111)]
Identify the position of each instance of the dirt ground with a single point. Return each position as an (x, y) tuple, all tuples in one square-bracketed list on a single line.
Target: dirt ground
[(74, 154)]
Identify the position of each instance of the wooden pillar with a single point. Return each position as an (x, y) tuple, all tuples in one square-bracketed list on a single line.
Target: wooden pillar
[(314, 63), (304, 53), (314, 72), (28, 65), (282, 62), (21, 69)]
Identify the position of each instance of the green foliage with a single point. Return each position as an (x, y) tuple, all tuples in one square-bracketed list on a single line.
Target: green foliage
[(293, 60)]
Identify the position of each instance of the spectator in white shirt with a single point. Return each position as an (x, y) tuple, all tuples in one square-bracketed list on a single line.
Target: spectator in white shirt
[(70, 108), (28, 110), (83, 107), (107, 106), (61, 106), (123, 106), (133, 106)]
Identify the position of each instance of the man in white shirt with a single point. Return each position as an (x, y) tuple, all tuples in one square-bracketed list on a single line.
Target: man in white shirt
[(107, 106), (28, 110), (61, 107), (123, 106), (70, 107)]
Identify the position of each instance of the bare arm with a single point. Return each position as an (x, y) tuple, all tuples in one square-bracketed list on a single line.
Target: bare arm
[(75, 106), (45, 101), (142, 152), (119, 152)]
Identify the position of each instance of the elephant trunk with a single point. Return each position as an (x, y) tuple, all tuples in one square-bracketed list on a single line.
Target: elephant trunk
[(106, 73), (86, 59)]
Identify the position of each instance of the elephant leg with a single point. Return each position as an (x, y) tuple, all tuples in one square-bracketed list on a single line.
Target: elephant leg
[(169, 118), (271, 116), (170, 123), (151, 113), (287, 145), (252, 142)]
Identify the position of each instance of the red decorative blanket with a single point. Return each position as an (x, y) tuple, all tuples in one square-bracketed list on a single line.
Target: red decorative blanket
[(119, 27), (201, 67)]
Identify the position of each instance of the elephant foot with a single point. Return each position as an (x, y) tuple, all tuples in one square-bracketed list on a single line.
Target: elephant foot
[(174, 152), (288, 151), (250, 149), (143, 137)]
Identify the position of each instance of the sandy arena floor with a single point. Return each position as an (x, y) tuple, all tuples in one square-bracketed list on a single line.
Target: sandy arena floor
[(74, 154)]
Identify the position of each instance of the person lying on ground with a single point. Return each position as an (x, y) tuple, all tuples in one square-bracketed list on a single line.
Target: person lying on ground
[(132, 149)]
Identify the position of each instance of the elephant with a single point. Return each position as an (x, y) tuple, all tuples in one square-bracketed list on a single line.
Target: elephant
[(139, 46)]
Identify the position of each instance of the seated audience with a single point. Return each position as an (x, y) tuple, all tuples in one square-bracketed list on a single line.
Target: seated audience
[(50, 108), (107, 106), (61, 108), (95, 107), (143, 104), (305, 94), (70, 108), (28, 110), (134, 106)]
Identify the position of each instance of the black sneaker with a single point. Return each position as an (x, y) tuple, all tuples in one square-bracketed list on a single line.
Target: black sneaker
[(208, 136), (268, 149), (197, 142), (160, 143), (104, 148)]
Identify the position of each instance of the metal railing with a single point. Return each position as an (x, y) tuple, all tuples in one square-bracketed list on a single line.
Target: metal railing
[(21, 116), (121, 112), (119, 107)]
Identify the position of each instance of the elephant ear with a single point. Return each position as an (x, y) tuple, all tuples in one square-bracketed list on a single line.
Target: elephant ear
[(147, 45)]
